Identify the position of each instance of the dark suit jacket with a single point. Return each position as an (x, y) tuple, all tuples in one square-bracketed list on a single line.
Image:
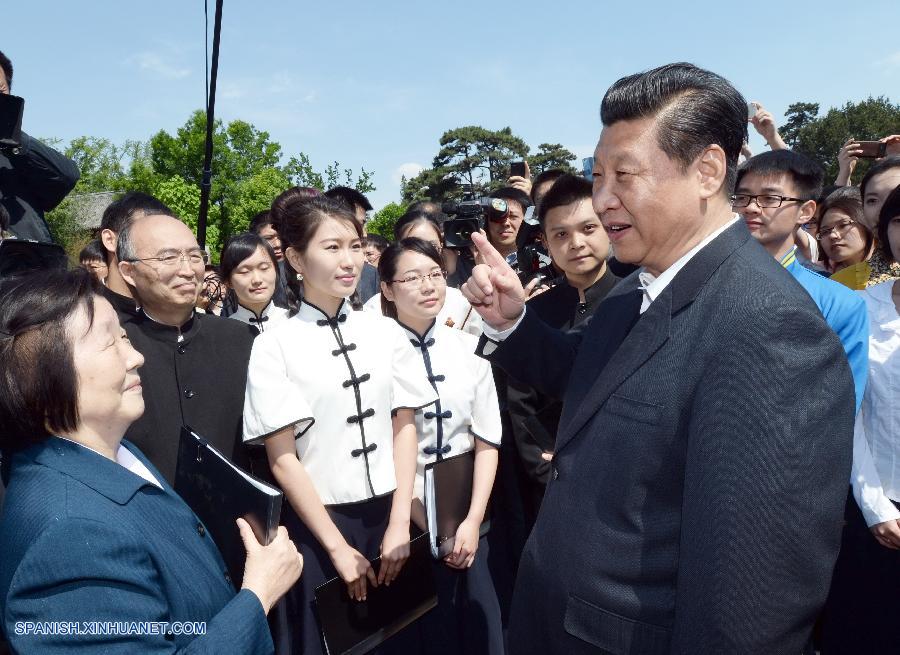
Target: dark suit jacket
[(33, 181), (84, 539), (696, 497)]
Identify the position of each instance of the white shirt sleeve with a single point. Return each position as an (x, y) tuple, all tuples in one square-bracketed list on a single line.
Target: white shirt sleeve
[(500, 335), (272, 401), (411, 388), (486, 423), (876, 507)]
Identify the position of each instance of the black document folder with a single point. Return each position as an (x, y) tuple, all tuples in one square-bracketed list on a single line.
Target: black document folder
[(448, 496), (352, 627), (220, 493)]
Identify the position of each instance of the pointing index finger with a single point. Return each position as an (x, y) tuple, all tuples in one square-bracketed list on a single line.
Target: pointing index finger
[(489, 254)]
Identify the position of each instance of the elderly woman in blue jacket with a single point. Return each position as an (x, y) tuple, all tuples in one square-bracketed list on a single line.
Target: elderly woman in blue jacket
[(97, 552)]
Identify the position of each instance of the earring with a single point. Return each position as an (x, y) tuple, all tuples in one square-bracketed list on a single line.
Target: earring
[(300, 277)]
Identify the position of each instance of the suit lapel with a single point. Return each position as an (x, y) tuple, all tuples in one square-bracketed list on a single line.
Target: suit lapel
[(604, 364), (646, 337)]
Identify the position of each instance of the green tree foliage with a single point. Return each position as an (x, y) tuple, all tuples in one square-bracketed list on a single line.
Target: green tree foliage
[(551, 155), (822, 137), (479, 157), (382, 222), (247, 175)]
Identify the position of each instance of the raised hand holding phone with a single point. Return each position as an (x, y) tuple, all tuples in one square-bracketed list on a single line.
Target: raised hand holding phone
[(494, 289)]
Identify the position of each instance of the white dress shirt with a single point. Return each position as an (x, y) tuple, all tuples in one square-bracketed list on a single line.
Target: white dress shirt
[(336, 381), (456, 313), (271, 315), (651, 285), (467, 406), (876, 439)]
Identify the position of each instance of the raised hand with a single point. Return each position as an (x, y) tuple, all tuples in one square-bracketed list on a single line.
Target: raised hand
[(494, 289), (847, 158)]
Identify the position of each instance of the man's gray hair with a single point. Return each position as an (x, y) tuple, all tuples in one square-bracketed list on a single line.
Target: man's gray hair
[(124, 244)]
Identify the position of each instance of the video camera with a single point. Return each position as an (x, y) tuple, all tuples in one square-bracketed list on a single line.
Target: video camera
[(468, 216), (533, 258)]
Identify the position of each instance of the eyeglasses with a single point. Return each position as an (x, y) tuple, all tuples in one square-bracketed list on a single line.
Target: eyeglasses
[(415, 281), (175, 258), (762, 201), (841, 229)]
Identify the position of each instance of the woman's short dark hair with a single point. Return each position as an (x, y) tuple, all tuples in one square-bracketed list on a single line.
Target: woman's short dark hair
[(236, 250), (92, 251), (414, 217), (694, 108), (848, 200), (387, 265), (377, 241), (38, 382), (889, 210)]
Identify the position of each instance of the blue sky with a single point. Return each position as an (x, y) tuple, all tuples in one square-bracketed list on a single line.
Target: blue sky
[(375, 84)]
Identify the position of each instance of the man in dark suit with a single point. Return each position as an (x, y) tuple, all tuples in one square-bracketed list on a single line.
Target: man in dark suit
[(701, 465)]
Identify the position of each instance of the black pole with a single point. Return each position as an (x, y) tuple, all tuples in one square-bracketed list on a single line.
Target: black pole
[(206, 183)]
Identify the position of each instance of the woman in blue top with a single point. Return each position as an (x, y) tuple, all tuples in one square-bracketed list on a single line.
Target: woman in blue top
[(99, 554)]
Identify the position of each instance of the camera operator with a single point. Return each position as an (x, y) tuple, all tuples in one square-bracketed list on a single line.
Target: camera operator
[(502, 233), (579, 247), (34, 178)]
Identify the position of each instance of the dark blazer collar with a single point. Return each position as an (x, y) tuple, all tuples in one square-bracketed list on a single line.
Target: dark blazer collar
[(652, 328), (104, 476)]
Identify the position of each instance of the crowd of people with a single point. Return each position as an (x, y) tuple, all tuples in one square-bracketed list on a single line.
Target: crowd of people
[(684, 427)]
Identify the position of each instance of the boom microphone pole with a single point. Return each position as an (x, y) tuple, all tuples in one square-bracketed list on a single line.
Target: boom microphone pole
[(206, 183)]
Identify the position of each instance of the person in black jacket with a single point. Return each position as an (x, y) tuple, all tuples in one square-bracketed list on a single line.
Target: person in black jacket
[(34, 178), (697, 489), (579, 246)]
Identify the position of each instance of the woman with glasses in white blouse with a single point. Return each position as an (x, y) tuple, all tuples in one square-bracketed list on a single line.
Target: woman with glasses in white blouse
[(862, 612), (466, 417)]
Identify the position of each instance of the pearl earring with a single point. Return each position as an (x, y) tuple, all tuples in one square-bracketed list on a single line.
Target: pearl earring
[(300, 277)]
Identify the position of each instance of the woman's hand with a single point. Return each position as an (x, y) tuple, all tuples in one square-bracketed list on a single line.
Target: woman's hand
[(394, 551), (269, 570), (355, 570), (887, 533), (464, 546)]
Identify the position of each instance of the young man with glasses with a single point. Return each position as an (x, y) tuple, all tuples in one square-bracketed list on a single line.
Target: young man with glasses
[(195, 364), (774, 195)]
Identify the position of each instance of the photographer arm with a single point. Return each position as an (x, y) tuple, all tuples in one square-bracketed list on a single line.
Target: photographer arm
[(47, 174)]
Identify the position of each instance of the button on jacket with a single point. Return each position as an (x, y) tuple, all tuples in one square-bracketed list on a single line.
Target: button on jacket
[(337, 380), (83, 539)]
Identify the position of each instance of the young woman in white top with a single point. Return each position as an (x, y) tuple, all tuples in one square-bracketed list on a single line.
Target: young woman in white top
[(864, 602), (249, 269), (332, 393), (456, 311), (465, 417)]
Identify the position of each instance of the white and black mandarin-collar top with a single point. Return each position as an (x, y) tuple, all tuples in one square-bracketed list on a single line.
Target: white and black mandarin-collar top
[(270, 316), (467, 406), (337, 381)]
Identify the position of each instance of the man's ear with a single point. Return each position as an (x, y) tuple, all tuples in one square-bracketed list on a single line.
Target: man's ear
[(109, 239), (126, 270), (712, 167), (807, 212)]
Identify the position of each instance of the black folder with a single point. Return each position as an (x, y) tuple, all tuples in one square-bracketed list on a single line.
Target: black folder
[(448, 496), (219, 493), (352, 627)]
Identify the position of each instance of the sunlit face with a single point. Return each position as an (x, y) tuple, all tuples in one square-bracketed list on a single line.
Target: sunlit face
[(843, 241), (109, 388), (575, 238), (268, 233), (254, 279), (650, 208), (161, 286), (893, 235), (877, 191), (98, 267), (332, 262), (4, 83), (425, 231), (414, 297), (502, 234), (773, 227), (373, 254)]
